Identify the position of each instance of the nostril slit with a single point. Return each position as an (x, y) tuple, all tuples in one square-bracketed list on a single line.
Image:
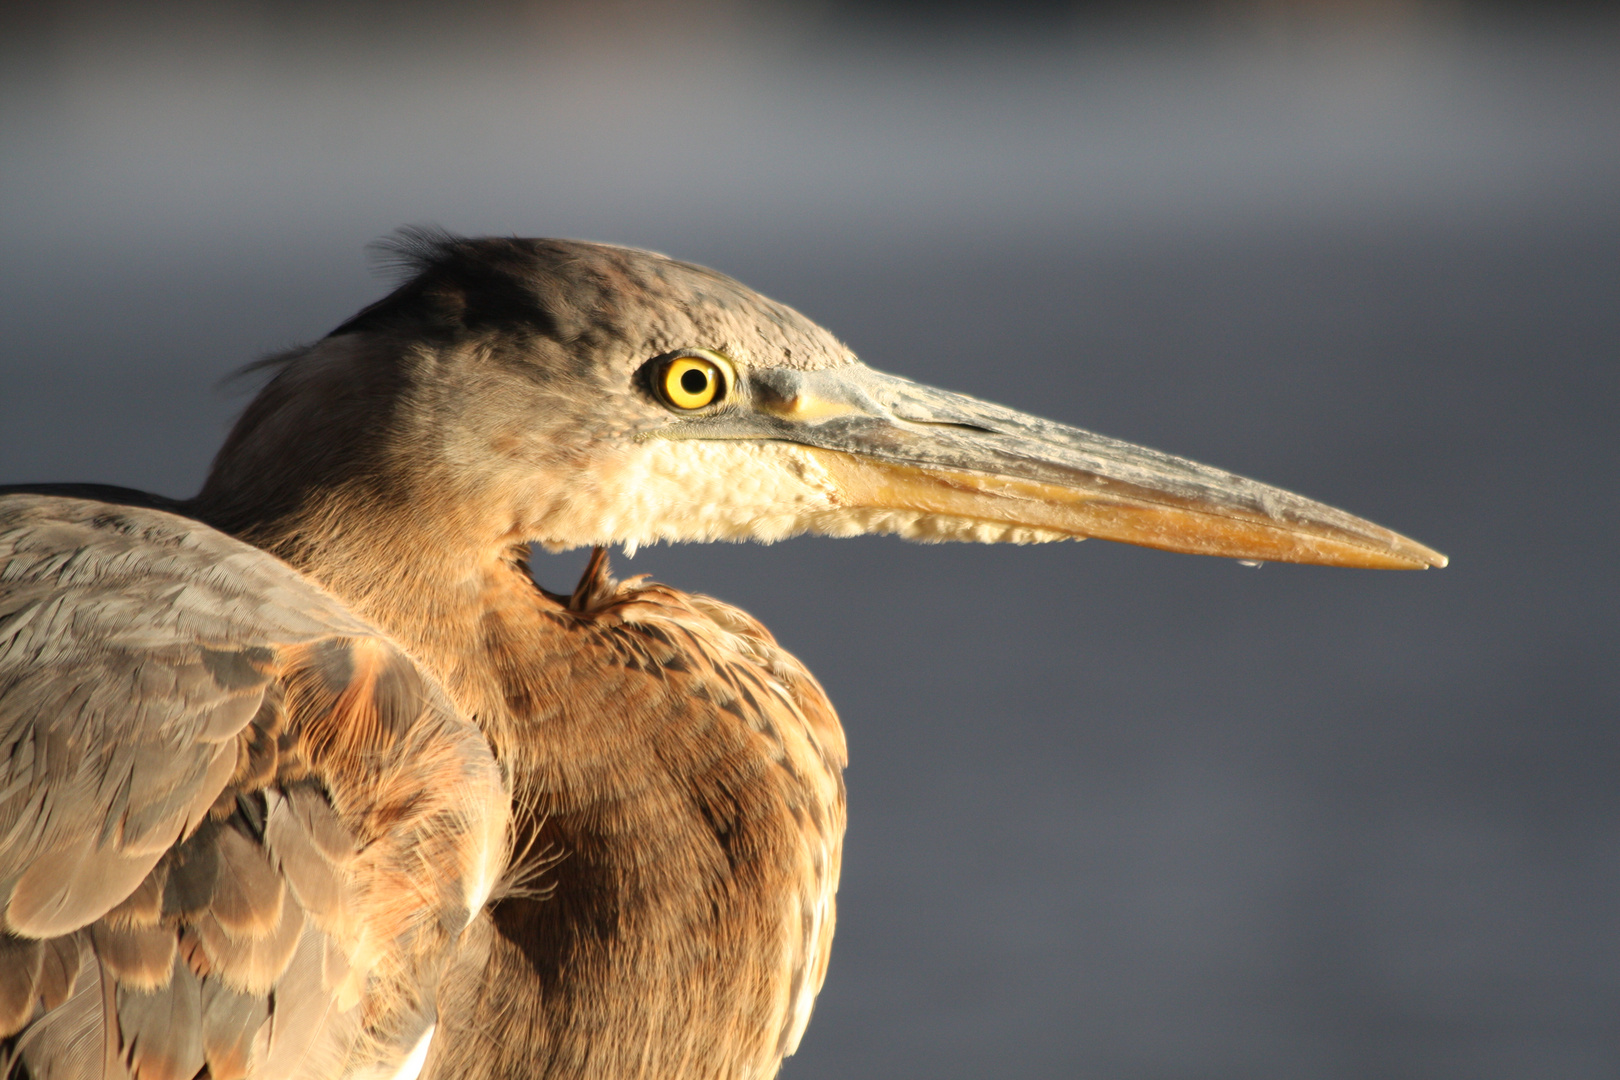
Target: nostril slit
[(950, 424)]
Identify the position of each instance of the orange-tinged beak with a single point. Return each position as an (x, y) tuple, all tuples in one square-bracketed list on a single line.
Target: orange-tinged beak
[(1156, 519)]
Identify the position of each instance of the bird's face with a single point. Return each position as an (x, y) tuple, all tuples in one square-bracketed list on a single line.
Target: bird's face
[(644, 399)]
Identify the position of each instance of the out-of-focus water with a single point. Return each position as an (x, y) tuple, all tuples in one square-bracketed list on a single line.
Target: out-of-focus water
[(1114, 813)]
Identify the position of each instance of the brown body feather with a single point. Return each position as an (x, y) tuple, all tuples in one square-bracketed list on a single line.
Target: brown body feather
[(686, 794)]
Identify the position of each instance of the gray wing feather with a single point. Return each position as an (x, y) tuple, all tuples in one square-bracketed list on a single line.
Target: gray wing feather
[(201, 852), (123, 685)]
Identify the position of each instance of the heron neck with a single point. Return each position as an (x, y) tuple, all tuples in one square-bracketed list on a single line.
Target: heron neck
[(424, 565)]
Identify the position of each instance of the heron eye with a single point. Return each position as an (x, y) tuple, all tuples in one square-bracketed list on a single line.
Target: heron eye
[(691, 382)]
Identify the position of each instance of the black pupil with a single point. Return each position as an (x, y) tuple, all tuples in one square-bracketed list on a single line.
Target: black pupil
[(694, 381)]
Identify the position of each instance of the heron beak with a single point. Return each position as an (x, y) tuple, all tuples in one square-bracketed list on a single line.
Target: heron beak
[(889, 443)]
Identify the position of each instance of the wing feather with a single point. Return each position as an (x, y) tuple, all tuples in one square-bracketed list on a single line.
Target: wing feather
[(22, 961), (230, 1024), (161, 1028), (239, 829)]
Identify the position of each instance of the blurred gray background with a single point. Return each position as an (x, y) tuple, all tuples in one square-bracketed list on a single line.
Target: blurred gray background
[(1114, 813)]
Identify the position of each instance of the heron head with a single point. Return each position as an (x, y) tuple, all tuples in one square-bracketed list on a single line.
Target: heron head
[(582, 393)]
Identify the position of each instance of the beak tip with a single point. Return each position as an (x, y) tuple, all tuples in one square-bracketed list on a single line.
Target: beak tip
[(1419, 557)]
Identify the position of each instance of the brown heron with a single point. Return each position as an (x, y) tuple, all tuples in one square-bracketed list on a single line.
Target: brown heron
[(305, 777)]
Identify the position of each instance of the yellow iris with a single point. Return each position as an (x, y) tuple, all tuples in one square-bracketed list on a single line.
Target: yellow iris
[(691, 382)]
